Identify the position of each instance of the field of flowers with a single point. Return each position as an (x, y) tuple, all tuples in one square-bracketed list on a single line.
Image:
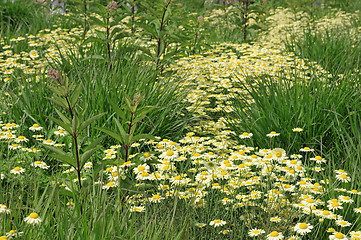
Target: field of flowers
[(180, 120)]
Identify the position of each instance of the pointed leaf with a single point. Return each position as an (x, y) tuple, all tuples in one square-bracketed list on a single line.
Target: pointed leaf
[(67, 127), (76, 95), (123, 134), (118, 110), (89, 121), (142, 136), (87, 154), (111, 133)]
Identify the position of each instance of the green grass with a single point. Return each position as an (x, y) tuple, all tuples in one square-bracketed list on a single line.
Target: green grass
[(326, 108)]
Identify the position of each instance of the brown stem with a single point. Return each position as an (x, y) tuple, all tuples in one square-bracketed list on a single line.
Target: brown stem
[(160, 40), (245, 19), (85, 18), (108, 43)]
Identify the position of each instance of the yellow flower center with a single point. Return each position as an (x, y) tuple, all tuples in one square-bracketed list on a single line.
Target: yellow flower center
[(307, 148), (274, 234), (141, 168), (278, 154), (114, 174), (217, 221), (326, 213), (156, 196), (37, 162), (16, 169), (33, 215), (245, 134), (109, 184), (335, 204), (48, 141), (210, 153), (343, 176), (146, 155), (21, 137), (170, 153), (310, 200), (177, 178), (293, 161), (36, 125), (339, 235), (273, 132), (318, 158), (303, 225), (145, 174), (60, 131)]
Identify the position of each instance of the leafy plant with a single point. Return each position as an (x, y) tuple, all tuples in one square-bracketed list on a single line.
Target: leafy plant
[(67, 96)]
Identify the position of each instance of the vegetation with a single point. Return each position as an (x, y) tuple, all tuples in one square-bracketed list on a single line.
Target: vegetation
[(180, 120)]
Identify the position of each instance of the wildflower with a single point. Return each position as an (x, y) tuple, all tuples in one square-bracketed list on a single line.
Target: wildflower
[(345, 199), (156, 198), (297, 129), (88, 165), (40, 164), (200, 225), (60, 132), (33, 54), (33, 219), (303, 228), (17, 170), (272, 134), (14, 146), (357, 210), (48, 142), (169, 155), (4, 209), (355, 235), (35, 127), (13, 234), (141, 168), (343, 178), (338, 236), (245, 135), (318, 159), (109, 156), (306, 149), (342, 223), (255, 232), (137, 209), (217, 222), (110, 185), (225, 231), (21, 139), (275, 219), (275, 236), (334, 205)]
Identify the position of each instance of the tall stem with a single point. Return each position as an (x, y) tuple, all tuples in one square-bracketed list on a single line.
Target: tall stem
[(160, 39), (245, 18), (85, 18)]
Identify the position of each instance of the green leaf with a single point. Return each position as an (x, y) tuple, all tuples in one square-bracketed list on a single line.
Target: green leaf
[(118, 111), (76, 95), (67, 127), (87, 154), (111, 133), (142, 112), (63, 117), (99, 57), (142, 136), (89, 121), (60, 155), (59, 101), (123, 134)]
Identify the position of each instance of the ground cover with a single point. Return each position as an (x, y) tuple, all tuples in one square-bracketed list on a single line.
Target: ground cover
[(229, 141)]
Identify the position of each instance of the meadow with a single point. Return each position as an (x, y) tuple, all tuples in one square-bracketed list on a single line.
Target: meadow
[(179, 119)]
